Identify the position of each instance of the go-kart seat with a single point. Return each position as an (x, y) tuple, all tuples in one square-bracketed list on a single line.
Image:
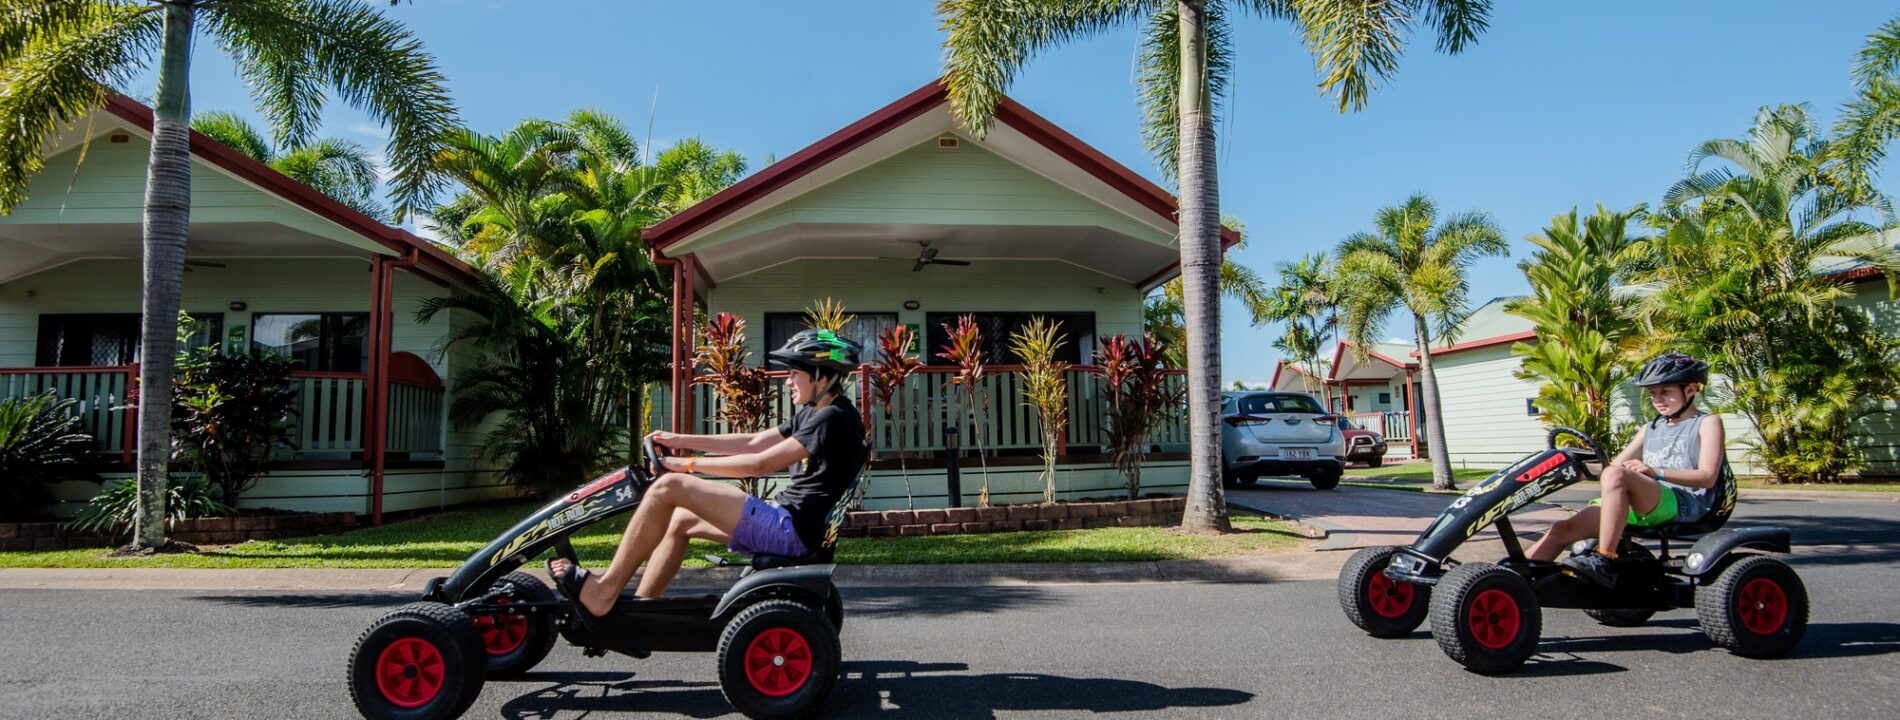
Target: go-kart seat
[(834, 521), (1725, 490)]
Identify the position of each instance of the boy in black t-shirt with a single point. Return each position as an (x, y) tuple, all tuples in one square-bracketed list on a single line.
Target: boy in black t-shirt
[(823, 444)]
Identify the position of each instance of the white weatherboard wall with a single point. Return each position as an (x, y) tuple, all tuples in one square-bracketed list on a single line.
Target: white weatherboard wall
[(882, 286), (1482, 403)]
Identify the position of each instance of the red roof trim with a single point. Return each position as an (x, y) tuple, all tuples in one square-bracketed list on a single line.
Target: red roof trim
[(1485, 343), (1869, 272), (324, 206), (1374, 353), (890, 117)]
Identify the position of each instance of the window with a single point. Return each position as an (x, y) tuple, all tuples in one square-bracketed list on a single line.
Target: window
[(322, 342), (1078, 329), (1530, 406), (1385, 398), (109, 339), (1258, 404), (863, 328)]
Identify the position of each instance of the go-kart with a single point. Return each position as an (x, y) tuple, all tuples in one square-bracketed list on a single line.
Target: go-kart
[(1488, 616), (775, 631)]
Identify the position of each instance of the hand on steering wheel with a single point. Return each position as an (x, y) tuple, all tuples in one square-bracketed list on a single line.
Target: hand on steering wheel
[(654, 467)]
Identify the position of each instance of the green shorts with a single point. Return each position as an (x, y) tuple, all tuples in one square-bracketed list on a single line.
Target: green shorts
[(1662, 514)]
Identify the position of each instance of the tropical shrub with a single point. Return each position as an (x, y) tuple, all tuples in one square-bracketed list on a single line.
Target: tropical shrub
[(1045, 389), (746, 394), (887, 372), (40, 444), (1139, 398), (965, 349), (1587, 336), (230, 413), (113, 510)]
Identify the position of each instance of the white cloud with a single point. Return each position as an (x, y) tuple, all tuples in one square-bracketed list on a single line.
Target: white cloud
[(368, 130)]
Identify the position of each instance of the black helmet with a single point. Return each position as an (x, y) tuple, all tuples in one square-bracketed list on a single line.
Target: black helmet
[(1673, 369), (818, 350)]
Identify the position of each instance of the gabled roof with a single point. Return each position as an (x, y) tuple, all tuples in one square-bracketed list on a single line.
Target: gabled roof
[(777, 176), (436, 260)]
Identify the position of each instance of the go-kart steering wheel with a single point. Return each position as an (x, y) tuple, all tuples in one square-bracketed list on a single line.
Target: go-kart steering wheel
[(1551, 441), (654, 469)]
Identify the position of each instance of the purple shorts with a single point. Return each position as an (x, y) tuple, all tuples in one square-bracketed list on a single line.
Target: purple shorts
[(765, 529)]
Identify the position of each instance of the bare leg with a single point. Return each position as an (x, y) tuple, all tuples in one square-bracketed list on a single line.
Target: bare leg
[(664, 565), (1562, 534), (716, 503), (1622, 491)]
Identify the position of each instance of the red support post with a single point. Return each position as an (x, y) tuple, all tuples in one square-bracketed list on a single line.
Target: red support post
[(376, 420), (1411, 412)]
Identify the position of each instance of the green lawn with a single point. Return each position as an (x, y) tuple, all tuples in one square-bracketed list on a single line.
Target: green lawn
[(445, 539), (1764, 483)]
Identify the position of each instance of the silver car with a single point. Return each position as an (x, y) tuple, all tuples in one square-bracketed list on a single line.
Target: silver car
[(1280, 433)]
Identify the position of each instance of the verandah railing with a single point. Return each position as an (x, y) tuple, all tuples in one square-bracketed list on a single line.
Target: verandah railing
[(926, 405), (329, 410)]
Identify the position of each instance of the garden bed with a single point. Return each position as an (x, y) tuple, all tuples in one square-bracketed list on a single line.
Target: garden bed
[(197, 531), (1015, 518)]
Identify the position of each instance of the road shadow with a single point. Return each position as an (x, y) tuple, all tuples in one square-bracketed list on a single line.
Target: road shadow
[(1822, 641), (943, 601), (874, 688), (1849, 539)]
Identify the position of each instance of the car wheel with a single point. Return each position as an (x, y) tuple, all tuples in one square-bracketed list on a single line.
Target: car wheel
[(1375, 462)]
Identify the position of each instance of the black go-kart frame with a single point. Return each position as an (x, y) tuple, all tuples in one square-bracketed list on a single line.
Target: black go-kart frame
[(1488, 616), (775, 631)]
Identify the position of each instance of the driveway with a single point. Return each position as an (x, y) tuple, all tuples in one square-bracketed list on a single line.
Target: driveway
[(1361, 517)]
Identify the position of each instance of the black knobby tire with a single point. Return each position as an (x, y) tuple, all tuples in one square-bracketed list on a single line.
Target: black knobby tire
[(1620, 618), (834, 608), (1756, 606), (1326, 479), (514, 644), (1229, 479), (1486, 617), (425, 661), (1249, 479), (1382, 607), (778, 659)]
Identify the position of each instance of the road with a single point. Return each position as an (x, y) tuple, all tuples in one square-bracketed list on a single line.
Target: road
[(1173, 650)]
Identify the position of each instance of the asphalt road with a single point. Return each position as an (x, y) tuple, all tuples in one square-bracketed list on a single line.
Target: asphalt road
[(1173, 650)]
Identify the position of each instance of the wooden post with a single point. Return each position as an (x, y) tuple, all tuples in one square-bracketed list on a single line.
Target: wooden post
[(1411, 412)]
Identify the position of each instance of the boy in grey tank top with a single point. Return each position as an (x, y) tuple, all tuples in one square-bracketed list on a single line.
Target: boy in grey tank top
[(1663, 476)]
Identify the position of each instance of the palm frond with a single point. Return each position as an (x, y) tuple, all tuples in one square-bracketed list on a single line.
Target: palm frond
[(989, 42), (1158, 84)]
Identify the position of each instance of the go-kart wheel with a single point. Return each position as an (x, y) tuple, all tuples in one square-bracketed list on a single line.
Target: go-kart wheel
[(422, 662), (1326, 479), (834, 609), (778, 659), (516, 643), (1379, 605), (1486, 618), (1756, 606), (1620, 618)]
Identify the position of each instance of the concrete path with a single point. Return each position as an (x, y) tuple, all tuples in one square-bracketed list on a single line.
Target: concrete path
[(1361, 517)]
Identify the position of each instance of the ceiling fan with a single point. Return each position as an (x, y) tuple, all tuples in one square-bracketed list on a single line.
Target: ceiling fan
[(928, 256)]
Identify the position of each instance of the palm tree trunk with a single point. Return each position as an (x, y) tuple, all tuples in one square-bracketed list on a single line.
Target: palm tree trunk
[(1434, 422), (1199, 219), (167, 222)]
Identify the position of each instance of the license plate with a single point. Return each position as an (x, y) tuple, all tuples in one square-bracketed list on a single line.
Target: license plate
[(1296, 454)]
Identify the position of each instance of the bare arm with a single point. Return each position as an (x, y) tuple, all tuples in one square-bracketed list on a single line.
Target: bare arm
[(774, 458), (728, 444)]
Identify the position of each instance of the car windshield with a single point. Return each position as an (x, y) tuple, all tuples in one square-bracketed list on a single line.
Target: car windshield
[(1258, 404)]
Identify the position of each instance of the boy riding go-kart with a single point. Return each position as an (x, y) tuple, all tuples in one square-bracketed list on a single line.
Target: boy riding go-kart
[(775, 630), (1672, 483)]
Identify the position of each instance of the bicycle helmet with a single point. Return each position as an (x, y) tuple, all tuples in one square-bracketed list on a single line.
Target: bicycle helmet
[(823, 353), (1673, 369)]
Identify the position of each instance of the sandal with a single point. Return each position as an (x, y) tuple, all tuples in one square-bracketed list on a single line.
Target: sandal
[(570, 583)]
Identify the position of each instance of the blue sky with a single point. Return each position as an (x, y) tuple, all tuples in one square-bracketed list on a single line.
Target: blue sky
[(1558, 105)]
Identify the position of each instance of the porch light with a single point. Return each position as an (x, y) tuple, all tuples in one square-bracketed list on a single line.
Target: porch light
[(912, 305), (238, 306)]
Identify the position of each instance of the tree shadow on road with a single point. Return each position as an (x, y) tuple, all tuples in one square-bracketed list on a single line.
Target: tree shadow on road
[(1823, 640), (944, 601), (877, 688), (311, 601)]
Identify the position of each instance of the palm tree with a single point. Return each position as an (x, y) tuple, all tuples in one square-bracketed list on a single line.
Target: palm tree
[(1307, 300), (1587, 336), (60, 59), (1415, 263), (1743, 276), (335, 167), (1870, 122), (1184, 70), (1164, 314)]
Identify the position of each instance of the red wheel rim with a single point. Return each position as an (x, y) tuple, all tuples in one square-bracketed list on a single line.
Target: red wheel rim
[(778, 662), (410, 672), (1763, 606), (1388, 598), (502, 634), (1493, 619)]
